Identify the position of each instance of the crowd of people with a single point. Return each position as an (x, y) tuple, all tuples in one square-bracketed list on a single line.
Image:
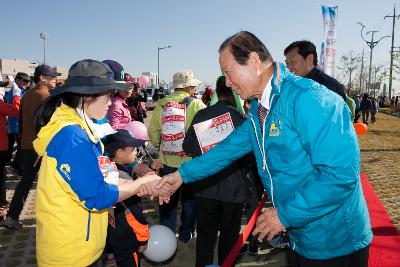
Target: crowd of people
[(292, 138)]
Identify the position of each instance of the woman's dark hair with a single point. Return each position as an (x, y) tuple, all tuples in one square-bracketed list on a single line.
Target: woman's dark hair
[(304, 49), (135, 86), (48, 107), (223, 91), (242, 44)]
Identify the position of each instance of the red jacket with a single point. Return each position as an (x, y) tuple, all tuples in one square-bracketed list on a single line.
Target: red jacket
[(7, 110)]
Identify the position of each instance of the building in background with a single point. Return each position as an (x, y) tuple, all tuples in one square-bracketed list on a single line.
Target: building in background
[(13, 66), (152, 76)]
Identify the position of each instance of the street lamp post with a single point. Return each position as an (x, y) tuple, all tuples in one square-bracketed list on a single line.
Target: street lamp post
[(44, 36), (371, 44), (158, 62)]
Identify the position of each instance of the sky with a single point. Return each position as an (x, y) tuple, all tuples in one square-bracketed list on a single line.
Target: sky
[(131, 31)]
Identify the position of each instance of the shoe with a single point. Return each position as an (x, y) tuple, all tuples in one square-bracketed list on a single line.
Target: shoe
[(243, 250), (185, 238), (254, 247), (280, 241), (11, 224)]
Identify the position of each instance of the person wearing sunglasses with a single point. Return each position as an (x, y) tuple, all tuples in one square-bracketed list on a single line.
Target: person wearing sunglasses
[(22, 80)]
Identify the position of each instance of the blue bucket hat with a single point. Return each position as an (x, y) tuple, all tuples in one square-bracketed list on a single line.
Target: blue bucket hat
[(89, 77)]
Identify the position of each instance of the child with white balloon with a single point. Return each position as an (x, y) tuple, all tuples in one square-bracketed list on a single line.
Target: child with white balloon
[(162, 243)]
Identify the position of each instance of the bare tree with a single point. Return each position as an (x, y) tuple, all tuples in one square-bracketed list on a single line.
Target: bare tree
[(396, 66), (349, 63), (381, 73)]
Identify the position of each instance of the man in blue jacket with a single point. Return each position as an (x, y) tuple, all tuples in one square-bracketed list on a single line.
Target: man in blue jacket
[(307, 156)]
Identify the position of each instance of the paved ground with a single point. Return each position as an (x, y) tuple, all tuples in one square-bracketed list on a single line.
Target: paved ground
[(380, 154)]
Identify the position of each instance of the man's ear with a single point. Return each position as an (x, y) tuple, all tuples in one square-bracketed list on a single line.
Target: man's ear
[(253, 58), (310, 60)]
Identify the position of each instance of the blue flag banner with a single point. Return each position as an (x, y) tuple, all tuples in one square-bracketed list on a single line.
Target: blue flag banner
[(329, 14)]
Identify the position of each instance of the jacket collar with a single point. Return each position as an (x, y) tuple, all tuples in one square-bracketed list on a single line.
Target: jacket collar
[(40, 87), (280, 72), (118, 99), (63, 116), (315, 72)]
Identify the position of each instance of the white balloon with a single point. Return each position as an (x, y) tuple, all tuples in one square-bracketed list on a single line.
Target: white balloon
[(161, 245)]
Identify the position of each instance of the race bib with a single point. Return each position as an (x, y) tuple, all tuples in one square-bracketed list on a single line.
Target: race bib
[(210, 132), (173, 128), (109, 170)]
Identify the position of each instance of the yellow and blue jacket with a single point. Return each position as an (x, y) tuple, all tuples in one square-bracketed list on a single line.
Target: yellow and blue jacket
[(72, 197)]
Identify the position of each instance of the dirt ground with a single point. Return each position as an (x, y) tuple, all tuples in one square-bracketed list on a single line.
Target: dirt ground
[(380, 160)]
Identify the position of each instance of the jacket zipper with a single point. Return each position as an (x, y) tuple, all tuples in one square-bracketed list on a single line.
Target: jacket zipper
[(88, 226), (263, 154)]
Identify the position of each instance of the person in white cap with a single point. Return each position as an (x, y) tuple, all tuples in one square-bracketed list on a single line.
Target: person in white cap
[(172, 117)]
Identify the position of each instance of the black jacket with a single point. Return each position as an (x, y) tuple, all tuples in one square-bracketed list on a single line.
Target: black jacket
[(365, 104), (231, 183), (326, 80), (131, 227)]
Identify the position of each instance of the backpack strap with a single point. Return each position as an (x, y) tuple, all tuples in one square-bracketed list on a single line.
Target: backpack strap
[(187, 100)]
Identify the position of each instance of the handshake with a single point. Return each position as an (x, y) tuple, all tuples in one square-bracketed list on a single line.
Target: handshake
[(159, 187)]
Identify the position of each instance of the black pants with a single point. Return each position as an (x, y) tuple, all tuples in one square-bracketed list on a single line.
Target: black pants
[(356, 259), (127, 260), (17, 162), (373, 117), (213, 216), (168, 212), (3, 161), (365, 116), (357, 115), (29, 173)]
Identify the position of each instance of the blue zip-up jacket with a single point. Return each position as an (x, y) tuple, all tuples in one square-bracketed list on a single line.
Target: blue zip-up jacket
[(309, 162)]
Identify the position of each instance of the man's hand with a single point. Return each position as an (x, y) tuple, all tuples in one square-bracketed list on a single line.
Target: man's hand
[(157, 165), (169, 184), (137, 187), (149, 189), (268, 224), (142, 169)]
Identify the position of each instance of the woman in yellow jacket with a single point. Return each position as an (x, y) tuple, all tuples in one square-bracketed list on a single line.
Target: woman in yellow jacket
[(76, 183)]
